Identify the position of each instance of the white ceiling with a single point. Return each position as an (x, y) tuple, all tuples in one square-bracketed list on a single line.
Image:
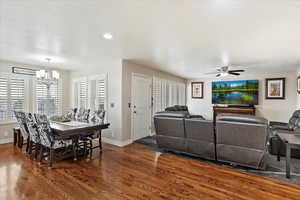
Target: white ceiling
[(183, 37)]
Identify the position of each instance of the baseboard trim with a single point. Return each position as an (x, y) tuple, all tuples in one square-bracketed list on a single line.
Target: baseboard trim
[(116, 142), (6, 140)]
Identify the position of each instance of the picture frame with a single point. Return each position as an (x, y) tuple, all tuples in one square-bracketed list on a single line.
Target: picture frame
[(298, 84), (275, 88), (197, 90)]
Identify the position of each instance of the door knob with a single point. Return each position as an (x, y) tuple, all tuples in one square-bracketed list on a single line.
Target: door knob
[(134, 112)]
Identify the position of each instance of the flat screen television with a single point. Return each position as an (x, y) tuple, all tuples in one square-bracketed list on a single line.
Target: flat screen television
[(235, 92)]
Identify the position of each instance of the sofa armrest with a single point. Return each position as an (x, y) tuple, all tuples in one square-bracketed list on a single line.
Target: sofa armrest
[(196, 116), (287, 131), (274, 123), (279, 125)]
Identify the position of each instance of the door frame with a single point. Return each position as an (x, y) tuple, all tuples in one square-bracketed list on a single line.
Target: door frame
[(132, 96)]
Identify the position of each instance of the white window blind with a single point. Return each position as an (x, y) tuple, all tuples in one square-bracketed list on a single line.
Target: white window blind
[(12, 96), (51, 98), (167, 93), (90, 93), (81, 93), (100, 100)]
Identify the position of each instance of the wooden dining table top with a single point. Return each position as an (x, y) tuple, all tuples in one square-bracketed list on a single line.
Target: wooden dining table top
[(76, 127)]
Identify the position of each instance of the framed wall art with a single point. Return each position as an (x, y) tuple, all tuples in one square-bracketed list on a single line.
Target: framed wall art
[(197, 90), (275, 88)]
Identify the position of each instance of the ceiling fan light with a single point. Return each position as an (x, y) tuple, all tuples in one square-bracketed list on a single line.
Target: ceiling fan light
[(223, 74)]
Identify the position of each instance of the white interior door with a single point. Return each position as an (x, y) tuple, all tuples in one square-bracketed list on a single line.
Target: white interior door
[(141, 107)]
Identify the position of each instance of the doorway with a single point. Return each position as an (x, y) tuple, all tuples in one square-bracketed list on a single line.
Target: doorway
[(141, 106)]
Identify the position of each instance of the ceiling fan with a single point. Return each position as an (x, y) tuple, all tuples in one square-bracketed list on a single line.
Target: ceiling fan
[(224, 71)]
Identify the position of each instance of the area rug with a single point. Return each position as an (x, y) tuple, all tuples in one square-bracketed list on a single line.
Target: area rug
[(275, 169)]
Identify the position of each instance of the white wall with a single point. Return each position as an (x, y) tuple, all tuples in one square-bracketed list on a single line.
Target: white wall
[(113, 70), (6, 129), (277, 110)]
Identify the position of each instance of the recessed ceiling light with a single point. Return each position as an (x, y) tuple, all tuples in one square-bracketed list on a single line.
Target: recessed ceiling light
[(107, 36)]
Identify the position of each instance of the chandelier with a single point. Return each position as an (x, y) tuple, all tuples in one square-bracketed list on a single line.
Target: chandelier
[(47, 77)]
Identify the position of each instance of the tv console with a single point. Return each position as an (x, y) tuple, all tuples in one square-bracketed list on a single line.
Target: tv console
[(245, 110)]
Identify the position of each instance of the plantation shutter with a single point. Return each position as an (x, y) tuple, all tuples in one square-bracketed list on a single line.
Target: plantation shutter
[(167, 93), (82, 94), (17, 95), (181, 94), (12, 96), (4, 101), (100, 94), (97, 93), (156, 95), (51, 97)]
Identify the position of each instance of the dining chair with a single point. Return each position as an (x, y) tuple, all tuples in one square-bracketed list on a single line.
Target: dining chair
[(21, 120), (49, 141), (86, 115), (79, 114), (34, 138), (97, 117), (86, 141), (72, 113)]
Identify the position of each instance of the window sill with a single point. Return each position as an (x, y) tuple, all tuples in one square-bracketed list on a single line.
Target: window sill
[(7, 122)]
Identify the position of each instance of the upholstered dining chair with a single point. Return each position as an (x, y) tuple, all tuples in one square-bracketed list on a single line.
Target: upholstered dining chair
[(49, 141), (21, 120), (97, 116), (86, 115), (79, 113), (34, 138), (72, 113)]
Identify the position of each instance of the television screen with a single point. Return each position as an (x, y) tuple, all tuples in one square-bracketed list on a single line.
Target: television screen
[(235, 92)]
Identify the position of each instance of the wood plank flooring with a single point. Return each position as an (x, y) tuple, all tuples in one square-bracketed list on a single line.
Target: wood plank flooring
[(132, 172)]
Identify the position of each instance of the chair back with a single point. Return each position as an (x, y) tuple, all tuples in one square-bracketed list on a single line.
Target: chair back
[(44, 129), (32, 128), (97, 116), (72, 113), (242, 139), (21, 119), (294, 121), (86, 114), (79, 113)]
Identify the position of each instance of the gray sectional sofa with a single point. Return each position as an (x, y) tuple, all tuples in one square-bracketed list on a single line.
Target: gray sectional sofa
[(182, 133), (242, 140), (236, 139)]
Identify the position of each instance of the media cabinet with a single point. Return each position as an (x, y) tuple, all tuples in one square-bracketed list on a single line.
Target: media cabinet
[(233, 110)]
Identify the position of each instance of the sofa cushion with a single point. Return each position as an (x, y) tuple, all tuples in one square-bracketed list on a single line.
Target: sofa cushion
[(242, 118), (175, 114)]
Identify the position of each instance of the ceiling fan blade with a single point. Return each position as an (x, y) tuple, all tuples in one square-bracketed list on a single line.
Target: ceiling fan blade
[(218, 75), (234, 73), (238, 70), (209, 73)]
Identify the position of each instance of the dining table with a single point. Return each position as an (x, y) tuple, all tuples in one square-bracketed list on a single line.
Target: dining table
[(69, 130), (77, 129)]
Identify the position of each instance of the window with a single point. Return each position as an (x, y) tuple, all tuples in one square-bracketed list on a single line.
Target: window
[(167, 93), (12, 95), (48, 100), (81, 93), (90, 92)]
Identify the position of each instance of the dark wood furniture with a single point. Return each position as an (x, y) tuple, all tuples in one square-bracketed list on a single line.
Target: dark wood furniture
[(18, 138), (292, 141), (233, 110), (65, 130)]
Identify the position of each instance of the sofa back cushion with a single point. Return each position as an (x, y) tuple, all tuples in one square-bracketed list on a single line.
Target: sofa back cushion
[(169, 126)]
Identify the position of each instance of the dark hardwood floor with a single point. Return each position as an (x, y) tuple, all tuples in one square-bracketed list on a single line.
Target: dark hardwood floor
[(132, 172)]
